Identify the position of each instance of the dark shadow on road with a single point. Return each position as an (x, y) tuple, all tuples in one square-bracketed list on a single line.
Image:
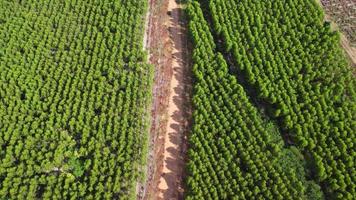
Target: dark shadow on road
[(182, 100)]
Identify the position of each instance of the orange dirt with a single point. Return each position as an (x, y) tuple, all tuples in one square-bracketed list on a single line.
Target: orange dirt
[(171, 182), (171, 108)]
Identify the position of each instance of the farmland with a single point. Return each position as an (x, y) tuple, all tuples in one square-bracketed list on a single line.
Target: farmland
[(74, 91)]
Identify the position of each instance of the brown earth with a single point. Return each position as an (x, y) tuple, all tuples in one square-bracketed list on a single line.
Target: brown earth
[(343, 13), (350, 50), (179, 110), (345, 43), (158, 45), (167, 44)]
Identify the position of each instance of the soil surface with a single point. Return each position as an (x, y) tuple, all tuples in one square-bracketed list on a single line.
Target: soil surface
[(350, 50), (343, 13), (179, 110), (157, 43), (167, 44)]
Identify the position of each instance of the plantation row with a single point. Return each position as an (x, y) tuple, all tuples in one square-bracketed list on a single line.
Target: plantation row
[(74, 87), (234, 154), (293, 60)]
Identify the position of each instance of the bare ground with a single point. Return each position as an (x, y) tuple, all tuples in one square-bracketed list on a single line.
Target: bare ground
[(350, 50), (167, 45), (171, 184), (158, 45)]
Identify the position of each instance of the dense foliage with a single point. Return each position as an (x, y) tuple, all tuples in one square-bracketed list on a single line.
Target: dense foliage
[(234, 153), (294, 63), (74, 87)]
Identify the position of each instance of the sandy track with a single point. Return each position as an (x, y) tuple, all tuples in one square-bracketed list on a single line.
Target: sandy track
[(350, 51), (179, 111), (157, 43), (166, 42)]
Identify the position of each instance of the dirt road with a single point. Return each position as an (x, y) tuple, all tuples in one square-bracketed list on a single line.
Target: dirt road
[(157, 43), (167, 44), (350, 51), (179, 111)]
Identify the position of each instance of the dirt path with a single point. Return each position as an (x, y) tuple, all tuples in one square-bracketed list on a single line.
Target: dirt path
[(350, 51), (157, 43), (167, 43), (179, 111)]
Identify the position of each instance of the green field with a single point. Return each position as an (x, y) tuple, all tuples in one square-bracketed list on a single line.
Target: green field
[(74, 94)]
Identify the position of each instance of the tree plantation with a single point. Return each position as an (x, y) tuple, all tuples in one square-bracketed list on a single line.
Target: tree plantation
[(74, 87), (289, 57), (234, 153), (176, 99)]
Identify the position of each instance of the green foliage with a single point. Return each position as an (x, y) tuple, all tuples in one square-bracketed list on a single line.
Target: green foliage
[(295, 63), (76, 166), (74, 90), (234, 153), (313, 191)]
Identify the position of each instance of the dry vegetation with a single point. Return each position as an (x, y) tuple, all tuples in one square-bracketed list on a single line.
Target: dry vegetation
[(343, 13)]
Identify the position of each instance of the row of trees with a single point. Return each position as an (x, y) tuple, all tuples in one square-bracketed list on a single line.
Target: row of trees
[(74, 88), (294, 61), (234, 154)]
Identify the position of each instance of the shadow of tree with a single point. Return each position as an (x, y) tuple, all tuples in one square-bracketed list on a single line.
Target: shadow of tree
[(182, 115)]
